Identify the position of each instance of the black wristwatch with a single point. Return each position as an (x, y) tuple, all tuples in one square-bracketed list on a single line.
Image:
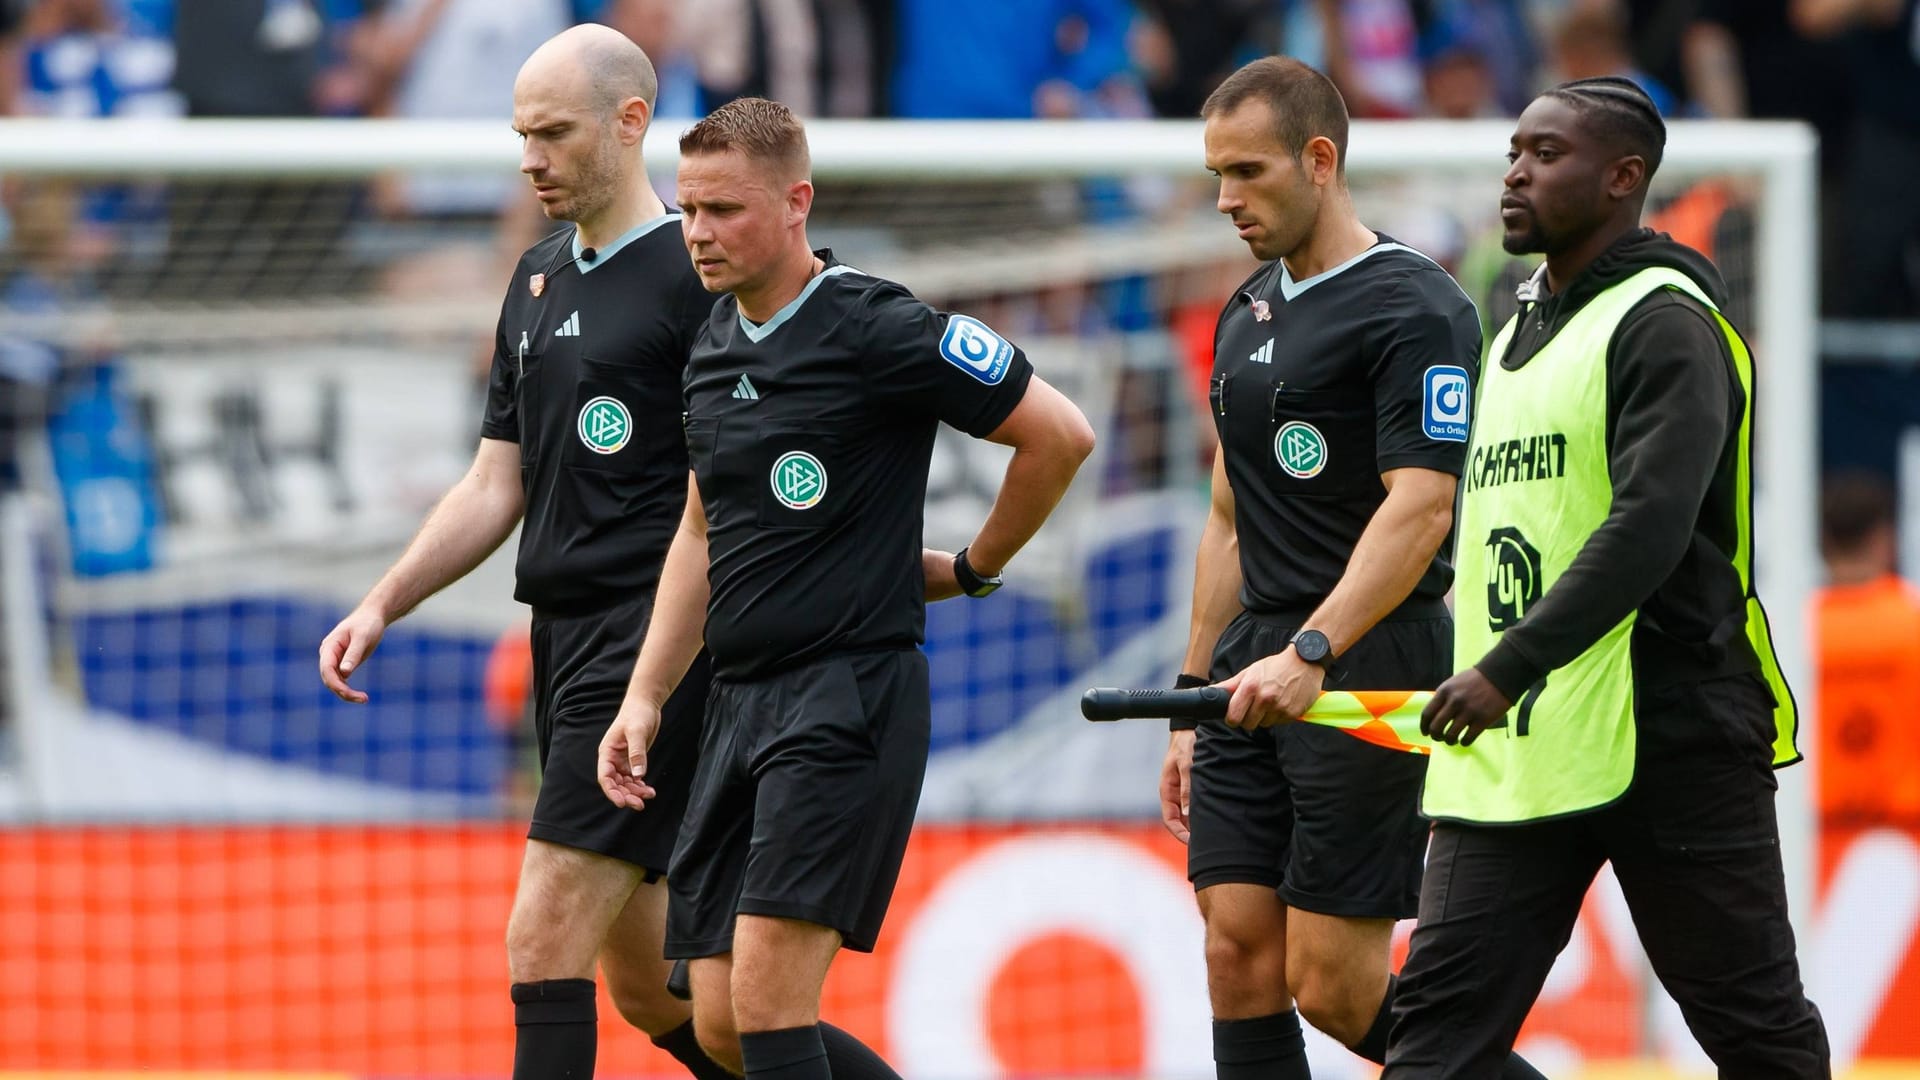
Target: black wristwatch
[(1313, 647), (971, 581)]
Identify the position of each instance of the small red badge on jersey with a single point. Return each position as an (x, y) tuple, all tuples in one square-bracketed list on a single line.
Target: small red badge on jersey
[(537, 284), (1261, 312)]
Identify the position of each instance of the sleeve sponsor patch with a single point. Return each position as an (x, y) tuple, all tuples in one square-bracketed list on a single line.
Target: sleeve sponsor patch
[(974, 348), (1448, 391)]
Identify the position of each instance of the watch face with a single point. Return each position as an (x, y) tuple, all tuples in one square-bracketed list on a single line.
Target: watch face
[(985, 587), (1312, 645)]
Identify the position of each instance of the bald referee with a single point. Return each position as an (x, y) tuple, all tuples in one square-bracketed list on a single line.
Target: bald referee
[(581, 445), (1623, 702), (813, 398)]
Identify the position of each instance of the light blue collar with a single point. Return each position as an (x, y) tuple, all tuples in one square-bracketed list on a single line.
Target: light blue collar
[(757, 334), (1290, 288), (602, 255)]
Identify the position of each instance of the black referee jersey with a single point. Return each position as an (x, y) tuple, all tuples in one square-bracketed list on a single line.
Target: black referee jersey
[(811, 435), (1321, 385), (587, 368)]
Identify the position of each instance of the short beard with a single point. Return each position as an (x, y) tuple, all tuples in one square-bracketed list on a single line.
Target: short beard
[(594, 188), (1527, 243)]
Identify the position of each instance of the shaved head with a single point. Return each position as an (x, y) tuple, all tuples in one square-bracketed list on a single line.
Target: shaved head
[(582, 105), (592, 65)]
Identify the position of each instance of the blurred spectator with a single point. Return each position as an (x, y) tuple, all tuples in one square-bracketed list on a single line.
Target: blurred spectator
[(1735, 52), (659, 27), (1006, 61), (1655, 31), (1880, 230), (1592, 41), (1184, 48), (98, 58), (61, 390), (265, 57), (1367, 47), (249, 239), (1457, 74), (13, 15), (1867, 623), (819, 57), (1494, 36), (455, 60), (89, 58), (36, 279)]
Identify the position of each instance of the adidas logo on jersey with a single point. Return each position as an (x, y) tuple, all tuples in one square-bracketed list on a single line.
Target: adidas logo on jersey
[(570, 328), (744, 390), (1263, 354)]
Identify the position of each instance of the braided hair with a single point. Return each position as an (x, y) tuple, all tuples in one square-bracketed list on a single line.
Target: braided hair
[(1617, 110)]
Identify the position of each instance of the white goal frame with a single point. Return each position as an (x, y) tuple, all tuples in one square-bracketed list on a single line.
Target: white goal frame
[(1781, 156)]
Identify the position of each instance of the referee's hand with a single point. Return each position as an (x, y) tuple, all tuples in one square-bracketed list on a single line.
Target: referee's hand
[(623, 754), (1176, 784), (1277, 689), (342, 651), (1462, 708)]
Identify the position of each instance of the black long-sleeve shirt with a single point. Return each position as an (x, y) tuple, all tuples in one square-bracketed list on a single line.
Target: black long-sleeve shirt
[(1674, 403)]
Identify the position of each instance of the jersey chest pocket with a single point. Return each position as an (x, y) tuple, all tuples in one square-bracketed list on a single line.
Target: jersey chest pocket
[(803, 474), (616, 424), (1309, 442), (1321, 442)]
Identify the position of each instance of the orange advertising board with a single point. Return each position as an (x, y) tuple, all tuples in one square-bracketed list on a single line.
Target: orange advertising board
[(377, 951)]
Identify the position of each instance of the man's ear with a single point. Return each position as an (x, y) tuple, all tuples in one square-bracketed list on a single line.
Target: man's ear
[(1321, 159), (799, 201), (1626, 176), (634, 118)]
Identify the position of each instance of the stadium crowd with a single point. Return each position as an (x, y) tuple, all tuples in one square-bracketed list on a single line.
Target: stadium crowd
[(1855, 77)]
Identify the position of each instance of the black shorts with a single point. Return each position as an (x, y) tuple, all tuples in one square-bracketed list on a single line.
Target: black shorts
[(804, 800), (581, 666), (1695, 846), (1329, 821)]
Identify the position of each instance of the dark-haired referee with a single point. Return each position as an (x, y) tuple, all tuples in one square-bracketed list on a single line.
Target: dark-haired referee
[(1624, 703), (581, 444), (1341, 380)]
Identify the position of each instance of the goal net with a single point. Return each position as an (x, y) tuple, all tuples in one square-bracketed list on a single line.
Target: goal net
[(248, 357)]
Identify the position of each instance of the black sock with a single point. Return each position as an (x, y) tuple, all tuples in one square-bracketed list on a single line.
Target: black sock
[(787, 1054), (851, 1059), (686, 1049), (1263, 1048), (556, 1030), (1373, 1045)]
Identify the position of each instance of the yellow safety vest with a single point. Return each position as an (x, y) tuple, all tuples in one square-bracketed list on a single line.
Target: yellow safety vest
[(1537, 485)]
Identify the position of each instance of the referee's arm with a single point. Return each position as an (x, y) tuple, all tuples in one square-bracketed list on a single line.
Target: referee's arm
[(474, 518), (1394, 551), (674, 636), (1050, 438)]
